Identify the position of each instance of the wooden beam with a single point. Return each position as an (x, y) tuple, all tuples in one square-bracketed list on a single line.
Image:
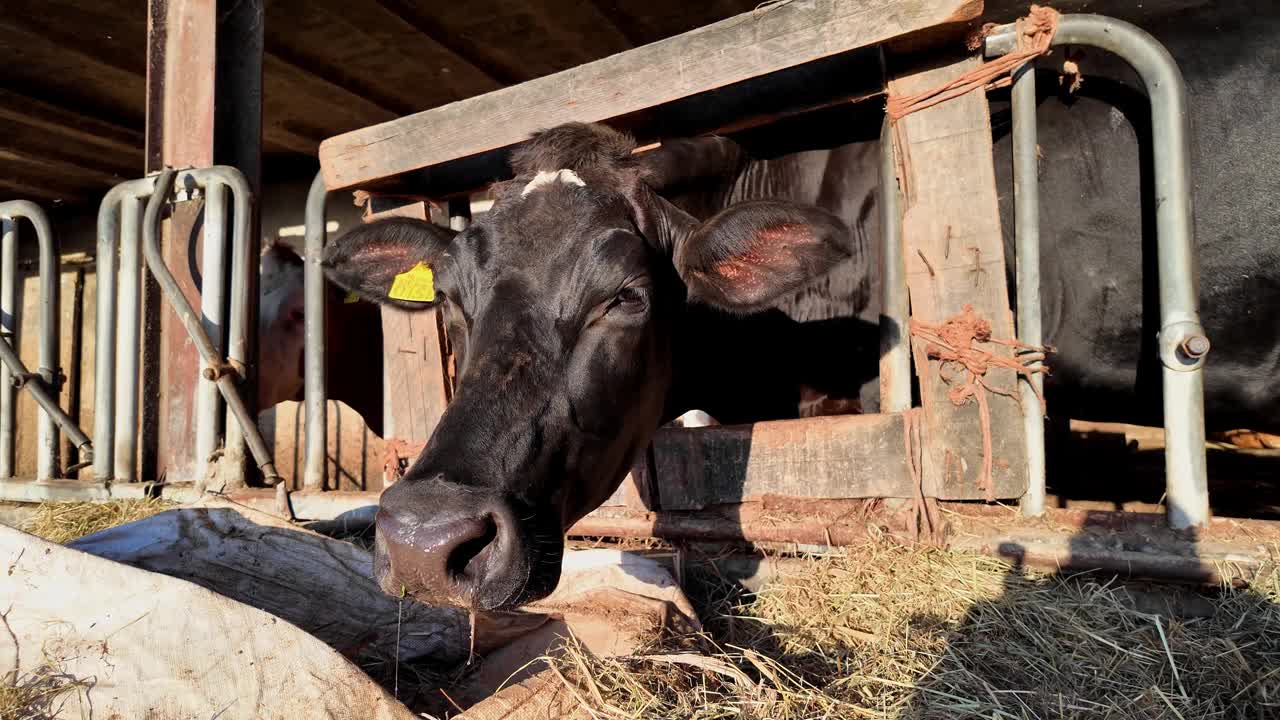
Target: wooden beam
[(712, 57), (514, 42), (955, 257), (35, 190), (33, 112), (843, 456), (278, 137), (413, 355), (420, 44), (52, 165), (313, 81)]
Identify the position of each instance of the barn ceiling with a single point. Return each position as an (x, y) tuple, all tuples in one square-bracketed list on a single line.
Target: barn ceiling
[(73, 87), (72, 72)]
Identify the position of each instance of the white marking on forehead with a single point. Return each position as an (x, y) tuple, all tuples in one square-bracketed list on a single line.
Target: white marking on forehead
[(546, 177)]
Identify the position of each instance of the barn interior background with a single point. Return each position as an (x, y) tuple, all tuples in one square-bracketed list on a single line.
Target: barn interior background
[(98, 93)]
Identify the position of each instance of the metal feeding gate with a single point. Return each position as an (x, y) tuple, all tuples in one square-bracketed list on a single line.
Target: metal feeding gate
[(128, 228), (432, 147)]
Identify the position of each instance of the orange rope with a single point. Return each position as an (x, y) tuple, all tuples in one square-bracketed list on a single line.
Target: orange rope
[(1035, 34), (926, 522), (952, 343)]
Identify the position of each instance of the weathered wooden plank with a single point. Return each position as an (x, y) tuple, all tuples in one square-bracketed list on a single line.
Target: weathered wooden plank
[(955, 256), (415, 374), (705, 59), (28, 347), (841, 456), (354, 455)]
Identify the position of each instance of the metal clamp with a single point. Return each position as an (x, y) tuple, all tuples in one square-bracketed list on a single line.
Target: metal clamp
[(1183, 346)]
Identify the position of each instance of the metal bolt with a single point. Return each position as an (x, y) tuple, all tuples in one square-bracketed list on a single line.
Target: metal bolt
[(1196, 346)]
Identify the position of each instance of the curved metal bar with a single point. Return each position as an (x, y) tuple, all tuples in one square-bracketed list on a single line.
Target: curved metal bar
[(118, 332), (895, 348), (9, 319), (1183, 345), (215, 369), (317, 425), (213, 301), (47, 432), (238, 316), (23, 378), (104, 388), (128, 343), (1026, 198)]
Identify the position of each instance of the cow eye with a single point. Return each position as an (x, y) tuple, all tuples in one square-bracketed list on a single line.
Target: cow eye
[(630, 299)]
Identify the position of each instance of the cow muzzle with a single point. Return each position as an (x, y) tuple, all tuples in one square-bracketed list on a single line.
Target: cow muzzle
[(446, 546)]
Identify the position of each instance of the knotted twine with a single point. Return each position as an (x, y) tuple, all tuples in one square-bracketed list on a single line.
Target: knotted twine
[(1034, 36), (964, 367)]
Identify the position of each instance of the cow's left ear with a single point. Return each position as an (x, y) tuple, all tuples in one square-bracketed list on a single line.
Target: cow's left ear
[(390, 261), (752, 253)]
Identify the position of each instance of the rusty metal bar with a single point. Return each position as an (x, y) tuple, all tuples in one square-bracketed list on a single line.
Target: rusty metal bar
[(50, 375)]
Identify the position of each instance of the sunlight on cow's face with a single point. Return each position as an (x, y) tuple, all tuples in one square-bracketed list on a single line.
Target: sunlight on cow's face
[(560, 305)]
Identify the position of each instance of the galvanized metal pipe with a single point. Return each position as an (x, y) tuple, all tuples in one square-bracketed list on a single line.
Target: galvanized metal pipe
[(208, 420), (313, 473), (9, 322), (895, 349), (460, 214), (128, 342), (216, 370), (242, 425), (1183, 345), (1026, 198), (47, 429), (47, 401), (104, 398)]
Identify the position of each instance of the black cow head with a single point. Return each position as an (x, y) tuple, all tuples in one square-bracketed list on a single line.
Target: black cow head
[(560, 304)]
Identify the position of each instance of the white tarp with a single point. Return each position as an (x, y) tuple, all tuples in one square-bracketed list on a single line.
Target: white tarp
[(172, 621), (143, 645)]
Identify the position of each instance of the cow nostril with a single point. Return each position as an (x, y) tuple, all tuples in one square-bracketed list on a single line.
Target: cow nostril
[(458, 564)]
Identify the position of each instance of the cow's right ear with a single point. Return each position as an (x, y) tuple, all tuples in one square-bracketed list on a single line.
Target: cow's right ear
[(391, 262)]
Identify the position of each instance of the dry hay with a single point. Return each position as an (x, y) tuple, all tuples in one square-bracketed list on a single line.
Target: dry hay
[(62, 522), (36, 695), (887, 632)]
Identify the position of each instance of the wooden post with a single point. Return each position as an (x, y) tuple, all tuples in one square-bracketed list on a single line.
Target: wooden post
[(955, 256), (415, 374), (181, 70), (185, 83)]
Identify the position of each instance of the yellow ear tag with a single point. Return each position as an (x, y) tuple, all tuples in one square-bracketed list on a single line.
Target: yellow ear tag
[(416, 284), (351, 298)]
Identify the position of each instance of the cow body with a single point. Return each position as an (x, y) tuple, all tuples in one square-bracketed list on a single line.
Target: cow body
[(353, 340)]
